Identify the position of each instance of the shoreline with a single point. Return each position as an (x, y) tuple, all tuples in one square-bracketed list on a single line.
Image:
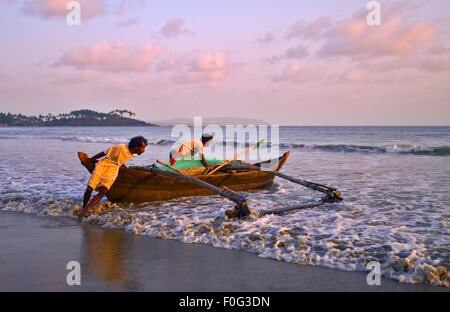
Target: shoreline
[(36, 250)]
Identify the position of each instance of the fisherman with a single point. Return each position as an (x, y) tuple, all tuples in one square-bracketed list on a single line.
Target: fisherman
[(107, 169), (188, 149)]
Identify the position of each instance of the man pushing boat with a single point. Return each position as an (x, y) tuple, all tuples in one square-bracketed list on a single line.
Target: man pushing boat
[(107, 169), (188, 149)]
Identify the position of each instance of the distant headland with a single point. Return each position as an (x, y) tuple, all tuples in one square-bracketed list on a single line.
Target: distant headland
[(77, 118)]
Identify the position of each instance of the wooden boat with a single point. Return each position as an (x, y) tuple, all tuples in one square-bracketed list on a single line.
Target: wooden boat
[(137, 184)]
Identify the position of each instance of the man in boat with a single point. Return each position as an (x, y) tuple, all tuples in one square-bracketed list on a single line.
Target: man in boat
[(188, 149), (107, 169)]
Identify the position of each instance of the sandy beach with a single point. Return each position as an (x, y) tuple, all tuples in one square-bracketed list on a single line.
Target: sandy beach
[(36, 250)]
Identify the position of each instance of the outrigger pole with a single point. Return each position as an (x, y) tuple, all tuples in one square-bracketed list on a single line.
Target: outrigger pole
[(325, 200), (314, 186), (241, 204), (241, 208), (332, 194)]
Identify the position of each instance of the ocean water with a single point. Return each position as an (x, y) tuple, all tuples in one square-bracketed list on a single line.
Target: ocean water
[(395, 182)]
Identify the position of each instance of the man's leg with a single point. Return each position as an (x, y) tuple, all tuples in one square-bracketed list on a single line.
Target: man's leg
[(87, 196), (172, 160), (102, 190)]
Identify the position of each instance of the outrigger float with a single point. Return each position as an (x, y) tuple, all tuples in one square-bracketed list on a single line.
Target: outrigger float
[(162, 182)]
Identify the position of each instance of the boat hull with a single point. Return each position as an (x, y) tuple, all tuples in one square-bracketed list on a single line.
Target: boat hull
[(135, 184)]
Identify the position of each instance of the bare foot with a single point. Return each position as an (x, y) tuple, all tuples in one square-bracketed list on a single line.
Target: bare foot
[(232, 213)]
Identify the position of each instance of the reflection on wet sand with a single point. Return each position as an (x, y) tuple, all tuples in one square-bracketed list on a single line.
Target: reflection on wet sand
[(106, 254)]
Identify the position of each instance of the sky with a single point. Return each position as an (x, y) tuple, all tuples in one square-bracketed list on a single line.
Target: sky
[(284, 62)]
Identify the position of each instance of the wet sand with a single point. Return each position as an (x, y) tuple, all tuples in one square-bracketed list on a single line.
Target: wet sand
[(35, 251)]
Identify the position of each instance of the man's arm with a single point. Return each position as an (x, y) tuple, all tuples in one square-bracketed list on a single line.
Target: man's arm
[(204, 161), (202, 153), (95, 157)]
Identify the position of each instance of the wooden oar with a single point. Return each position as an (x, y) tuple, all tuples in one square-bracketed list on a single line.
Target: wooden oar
[(169, 166), (235, 157)]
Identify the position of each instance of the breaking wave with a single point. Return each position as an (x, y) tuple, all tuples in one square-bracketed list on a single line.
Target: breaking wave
[(331, 148), (301, 238), (394, 148), (113, 140)]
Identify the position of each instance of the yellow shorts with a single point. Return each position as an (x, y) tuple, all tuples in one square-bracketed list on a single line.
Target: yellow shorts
[(104, 174)]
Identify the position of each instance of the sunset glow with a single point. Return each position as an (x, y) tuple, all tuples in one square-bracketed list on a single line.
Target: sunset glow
[(284, 62)]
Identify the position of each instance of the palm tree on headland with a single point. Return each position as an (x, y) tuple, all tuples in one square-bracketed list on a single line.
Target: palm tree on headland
[(122, 112)]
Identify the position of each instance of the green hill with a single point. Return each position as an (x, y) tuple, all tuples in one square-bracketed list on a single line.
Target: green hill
[(78, 118)]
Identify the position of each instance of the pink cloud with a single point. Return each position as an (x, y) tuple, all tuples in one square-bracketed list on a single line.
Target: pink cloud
[(214, 61), (170, 62), (210, 79), (89, 8), (309, 30), (391, 9), (173, 28), (394, 37), (108, 57), (436, 63), (297, 74), (62, 76), (208, 68), (354, 75), (352, 37), (424, 62), (125, 5), (267, 38), (399, 43), (439, 49), (374, 70), (297, 52), (358, 75), (58, 8)]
